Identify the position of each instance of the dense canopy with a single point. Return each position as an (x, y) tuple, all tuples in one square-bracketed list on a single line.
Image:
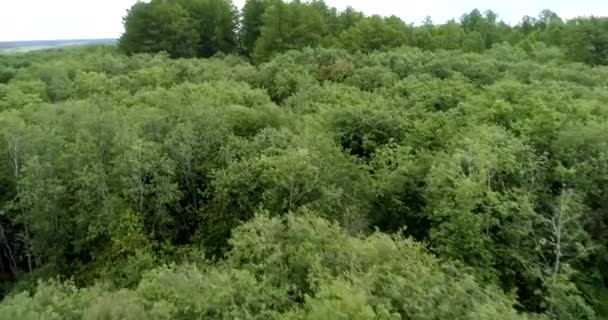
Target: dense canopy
[(304, 163), (264, 28)]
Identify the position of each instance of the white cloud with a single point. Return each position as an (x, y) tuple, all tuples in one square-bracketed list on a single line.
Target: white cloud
[(74, 19)]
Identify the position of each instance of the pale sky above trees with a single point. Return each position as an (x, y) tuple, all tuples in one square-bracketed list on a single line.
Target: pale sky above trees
[(78, 19)]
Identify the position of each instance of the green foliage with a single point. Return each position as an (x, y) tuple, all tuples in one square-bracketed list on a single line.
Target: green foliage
[(364, 168), (6, 74), (376, 33), (185, 28), (251, 28), (287, 26), (586, 40), (160, 26), (202, 28), (289, 268)]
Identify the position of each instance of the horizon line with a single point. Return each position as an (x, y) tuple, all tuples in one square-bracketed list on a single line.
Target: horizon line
[(65, 39)]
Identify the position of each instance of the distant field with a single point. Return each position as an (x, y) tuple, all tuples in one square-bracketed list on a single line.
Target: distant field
[(7, 47)]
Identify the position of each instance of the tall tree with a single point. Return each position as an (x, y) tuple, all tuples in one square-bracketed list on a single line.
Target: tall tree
[(292, 25), (216, 25), (251, 23), (586, 40), (160, 26), (183, 28), (377, 33)]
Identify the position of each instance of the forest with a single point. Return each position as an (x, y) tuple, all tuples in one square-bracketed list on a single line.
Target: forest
[(294, 161)]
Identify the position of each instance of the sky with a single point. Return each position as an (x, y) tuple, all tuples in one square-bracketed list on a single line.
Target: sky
[(88, 19)]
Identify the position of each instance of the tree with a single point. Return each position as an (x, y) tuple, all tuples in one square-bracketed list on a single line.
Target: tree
[(527, 25), (251, 23), (563, 245), (216, 22), (376, 33), (160, 26), (348, 18), (473, 21), (449, 36), (473, 42), (184, 28), (587, 40), (214, 188), (286, 26), (285, 268)]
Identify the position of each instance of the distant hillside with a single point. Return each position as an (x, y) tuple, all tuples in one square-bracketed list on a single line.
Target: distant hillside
[(24, 46)]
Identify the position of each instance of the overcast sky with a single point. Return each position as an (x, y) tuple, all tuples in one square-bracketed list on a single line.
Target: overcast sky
[(83, 19)]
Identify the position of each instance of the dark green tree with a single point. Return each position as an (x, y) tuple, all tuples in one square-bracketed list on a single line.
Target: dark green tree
[(292, 25), (377, 33), (251, 22), (586, 40), (184, 28), (160, 26), (216, 22)]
